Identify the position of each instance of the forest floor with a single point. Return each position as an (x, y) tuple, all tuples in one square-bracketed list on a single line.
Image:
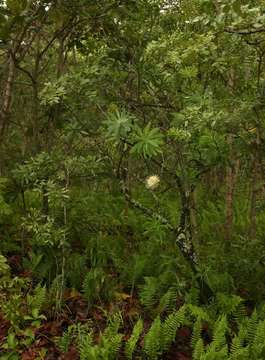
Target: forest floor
[(75, 310)]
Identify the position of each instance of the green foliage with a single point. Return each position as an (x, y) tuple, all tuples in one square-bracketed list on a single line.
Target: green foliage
[(170, 327), (15, 6), (84, 341), (44, 230), (5, 208), (132, 341), (161, 335), (119, 125), (93, 284), (21, 310), (160, 293), (76, 270), (65, 340), (196, 341), (82, 334), (35, 170), (148, 141), (96, 95), (37, 300), (228, 342), (198, 350), (52, 93), (168, 301), (152, 346), (4, 268), (149, 292)]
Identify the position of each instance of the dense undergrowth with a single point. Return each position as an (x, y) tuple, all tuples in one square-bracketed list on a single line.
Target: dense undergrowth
[(126, 291), (132, 184)]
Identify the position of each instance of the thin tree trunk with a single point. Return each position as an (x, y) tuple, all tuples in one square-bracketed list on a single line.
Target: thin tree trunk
[(253, 199), (254, 188), (229, 174), (182, 233), (229, 195), (61, 57), (7, 96)]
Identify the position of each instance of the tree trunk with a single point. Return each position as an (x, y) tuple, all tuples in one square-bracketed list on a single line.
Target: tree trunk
[(229, 194), (254, 186), (253, 199), (229, 174), (7, 96), (183, 233)]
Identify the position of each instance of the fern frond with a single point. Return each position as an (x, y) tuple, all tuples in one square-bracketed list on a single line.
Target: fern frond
[(131, 343), (198, 312), (65, 340), (218, 348), (92, 283), (170, 327), (37, 300), (84, 340), (196, 333), (252, 326), (258, 345), (227, 304), (168, 300), (235, 346), (114, 323), (148, 292), (110, 341), (219, 334), (198, 350), (112, 344), (152, 346), (261, 312), (241, 354), (85, 347), (243, 330)]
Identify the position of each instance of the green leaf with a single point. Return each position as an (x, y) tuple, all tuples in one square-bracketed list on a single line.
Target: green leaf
[(119, 125), (12, 341), (16, 6), (148, 142)]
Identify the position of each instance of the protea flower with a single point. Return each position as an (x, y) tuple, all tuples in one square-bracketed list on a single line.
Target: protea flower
[(152, 182)]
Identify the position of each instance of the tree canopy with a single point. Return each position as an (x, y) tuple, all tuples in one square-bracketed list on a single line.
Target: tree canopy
[(132, 187)]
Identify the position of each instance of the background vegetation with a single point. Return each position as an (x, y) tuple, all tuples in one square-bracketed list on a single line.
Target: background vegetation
[(132, 190)]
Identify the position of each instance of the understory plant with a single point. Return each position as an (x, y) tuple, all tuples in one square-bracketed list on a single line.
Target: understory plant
[(21, 310)]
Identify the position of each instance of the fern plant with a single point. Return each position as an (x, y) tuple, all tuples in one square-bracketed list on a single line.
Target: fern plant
[(93, 283), (218, 349), (149, 292), (152, 344), (131, 343), (159, 294), (82, 335), (170, 326), (84, 340), (76, 268), (168, 301), (37, 300), (35, 303), (66, 339), (246, 341), (162, 334)]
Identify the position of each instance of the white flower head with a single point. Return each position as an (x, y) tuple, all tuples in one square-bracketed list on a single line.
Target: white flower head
[(152, 182)]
